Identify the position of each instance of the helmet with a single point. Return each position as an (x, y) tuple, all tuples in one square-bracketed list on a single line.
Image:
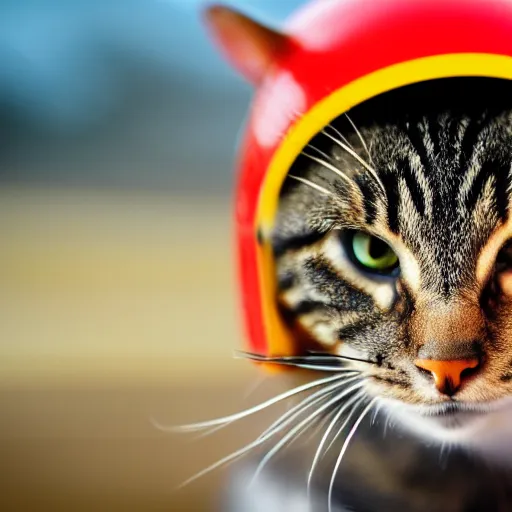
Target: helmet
[(338, 54)]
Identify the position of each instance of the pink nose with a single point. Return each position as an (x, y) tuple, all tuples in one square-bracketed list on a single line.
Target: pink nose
[(447, 374)]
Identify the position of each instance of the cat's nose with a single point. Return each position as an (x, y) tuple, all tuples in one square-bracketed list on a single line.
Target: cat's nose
[(448, 375)]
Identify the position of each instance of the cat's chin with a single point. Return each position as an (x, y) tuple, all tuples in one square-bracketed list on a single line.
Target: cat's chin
[(485, 428)]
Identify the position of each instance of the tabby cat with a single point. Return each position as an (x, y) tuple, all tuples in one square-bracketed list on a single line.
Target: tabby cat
[(393, 247), (394, 261)]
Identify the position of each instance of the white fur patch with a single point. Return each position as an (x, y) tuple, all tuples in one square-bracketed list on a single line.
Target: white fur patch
[(487, 432)]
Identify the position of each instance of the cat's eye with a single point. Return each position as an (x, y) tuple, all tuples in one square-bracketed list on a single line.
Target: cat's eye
[(504, 257), (372, 253)]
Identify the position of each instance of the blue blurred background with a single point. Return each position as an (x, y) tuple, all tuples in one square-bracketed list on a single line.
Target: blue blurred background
[(121, 93), (118, 128)]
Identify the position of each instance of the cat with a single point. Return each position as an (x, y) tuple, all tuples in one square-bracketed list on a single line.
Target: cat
[(393, 256), (410, 267), (390, 271)]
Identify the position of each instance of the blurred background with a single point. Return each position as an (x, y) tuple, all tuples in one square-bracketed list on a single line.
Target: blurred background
[(118, 129)]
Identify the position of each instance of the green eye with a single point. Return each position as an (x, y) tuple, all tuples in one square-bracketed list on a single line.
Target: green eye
[(373, 253)]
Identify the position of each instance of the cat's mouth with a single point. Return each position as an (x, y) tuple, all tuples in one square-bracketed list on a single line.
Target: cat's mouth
[(456, 421), (454, 415), (454, 408)]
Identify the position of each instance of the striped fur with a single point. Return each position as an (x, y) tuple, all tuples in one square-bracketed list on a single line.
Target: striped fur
[(433, 179)]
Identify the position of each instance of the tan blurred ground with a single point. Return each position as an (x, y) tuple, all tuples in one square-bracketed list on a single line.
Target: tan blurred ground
[(113, 308)]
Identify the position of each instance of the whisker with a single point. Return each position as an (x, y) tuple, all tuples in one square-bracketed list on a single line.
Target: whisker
[(326, 436), (330, 167), (303, 357), (222, 462), (365, 164), (345, 423), (319, 355), (386, 425), (441, 450), (319, 151), (312, 185), (309, 356), (297, 429), (315, 367), (340, 135), (327, 418), (344, 449), (376, 412), (304, 405), (211, 431), (360, 137), (236, 454), (444, 454), (234, 417), (298, 361)]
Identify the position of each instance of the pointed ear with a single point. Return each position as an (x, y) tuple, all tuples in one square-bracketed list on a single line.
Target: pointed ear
[(249, 46)]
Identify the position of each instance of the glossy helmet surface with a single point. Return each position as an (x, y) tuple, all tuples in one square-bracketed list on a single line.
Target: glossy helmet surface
[(339, 54)]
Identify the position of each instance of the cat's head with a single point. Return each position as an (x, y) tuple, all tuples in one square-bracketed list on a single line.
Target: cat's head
[(393, 245), (392, 242)]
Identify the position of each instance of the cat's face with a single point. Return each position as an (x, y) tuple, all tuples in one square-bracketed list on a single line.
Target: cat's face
[(392, 246), (393, 243)]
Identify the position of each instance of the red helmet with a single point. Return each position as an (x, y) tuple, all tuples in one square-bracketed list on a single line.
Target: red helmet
[(338, 54)]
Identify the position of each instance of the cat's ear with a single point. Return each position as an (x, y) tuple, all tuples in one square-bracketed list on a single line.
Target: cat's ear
[(249, 46)]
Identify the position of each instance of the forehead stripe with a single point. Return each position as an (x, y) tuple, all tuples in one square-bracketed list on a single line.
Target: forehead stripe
[(369, 198), (390, 181), (417, 196)]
